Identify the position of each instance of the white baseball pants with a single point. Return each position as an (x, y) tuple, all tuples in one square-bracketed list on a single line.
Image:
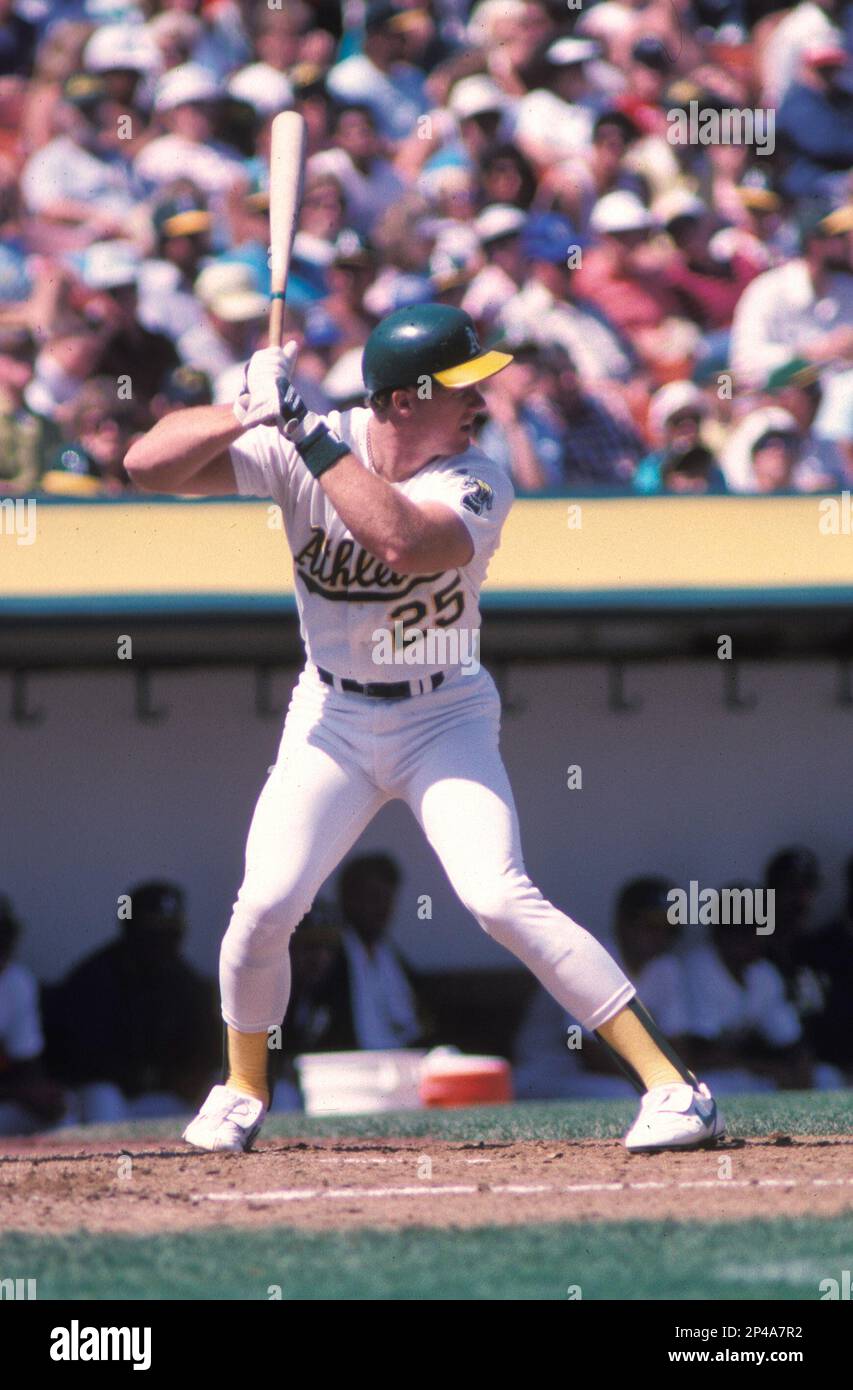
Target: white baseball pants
[(341, 757)]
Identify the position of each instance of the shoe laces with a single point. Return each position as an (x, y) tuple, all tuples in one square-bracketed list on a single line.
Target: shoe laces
[(660, 1098)]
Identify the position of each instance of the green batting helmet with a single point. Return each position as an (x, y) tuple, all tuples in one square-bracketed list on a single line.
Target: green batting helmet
[(433, 340)]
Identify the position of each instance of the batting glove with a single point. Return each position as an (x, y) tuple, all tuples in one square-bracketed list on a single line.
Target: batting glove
[(266, 377)]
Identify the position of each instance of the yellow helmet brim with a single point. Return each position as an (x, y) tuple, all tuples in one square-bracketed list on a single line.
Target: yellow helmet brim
[(478, 369)]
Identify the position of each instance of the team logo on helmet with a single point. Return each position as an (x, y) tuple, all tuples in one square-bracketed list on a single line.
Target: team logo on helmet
[(477, 496)]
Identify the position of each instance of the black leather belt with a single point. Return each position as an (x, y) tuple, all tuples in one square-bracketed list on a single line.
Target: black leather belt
[(379, 690)]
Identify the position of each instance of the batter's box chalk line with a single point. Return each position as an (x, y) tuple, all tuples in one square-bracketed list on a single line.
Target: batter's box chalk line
[(327, 1194)]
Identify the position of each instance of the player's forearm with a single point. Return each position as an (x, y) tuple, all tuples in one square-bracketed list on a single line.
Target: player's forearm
[(385, 522), (180, 445)]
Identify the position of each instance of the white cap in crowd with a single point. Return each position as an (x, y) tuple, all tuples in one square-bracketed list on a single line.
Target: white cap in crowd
[(263, 87), (567, 51), (121, 46), (620, 212), (675, 203), (108, 265), (229, 290), (343, 381), (670, 400), (474, 96), (499, 220), (187, 83)]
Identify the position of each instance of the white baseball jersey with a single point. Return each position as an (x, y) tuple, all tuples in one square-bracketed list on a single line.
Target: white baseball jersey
[(346, 596)]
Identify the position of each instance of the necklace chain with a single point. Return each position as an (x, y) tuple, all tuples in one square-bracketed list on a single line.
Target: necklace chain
[(370, 458)]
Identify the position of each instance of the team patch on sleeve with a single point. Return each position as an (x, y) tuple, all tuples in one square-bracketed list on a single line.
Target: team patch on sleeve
[(477, 496)]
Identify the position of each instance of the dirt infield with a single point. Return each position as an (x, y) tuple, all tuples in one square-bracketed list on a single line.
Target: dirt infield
[(333, 1184)]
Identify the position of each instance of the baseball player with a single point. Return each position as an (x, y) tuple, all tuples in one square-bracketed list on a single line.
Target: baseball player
[(392, 515)]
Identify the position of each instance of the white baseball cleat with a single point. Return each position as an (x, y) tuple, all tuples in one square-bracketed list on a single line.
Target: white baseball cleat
[(675, 1116), (227, 1122)]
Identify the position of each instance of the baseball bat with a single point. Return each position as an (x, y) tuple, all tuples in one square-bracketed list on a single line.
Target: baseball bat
[(287, 168)]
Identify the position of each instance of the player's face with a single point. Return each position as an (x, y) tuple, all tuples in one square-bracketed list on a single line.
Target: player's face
[(448, 417)]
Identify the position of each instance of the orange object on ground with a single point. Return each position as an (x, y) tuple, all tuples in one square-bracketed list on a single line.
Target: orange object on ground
[(463, 1080)]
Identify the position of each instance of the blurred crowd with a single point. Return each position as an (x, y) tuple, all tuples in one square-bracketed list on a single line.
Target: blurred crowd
[(133, 1030), (680, 307)]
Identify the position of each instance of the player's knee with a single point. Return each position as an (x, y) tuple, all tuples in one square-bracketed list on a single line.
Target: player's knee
[(499, 905), (495, 910), (261, 927)]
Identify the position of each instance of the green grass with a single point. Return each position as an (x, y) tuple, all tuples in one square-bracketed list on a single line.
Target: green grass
[(792, 1112), (775, 1260)]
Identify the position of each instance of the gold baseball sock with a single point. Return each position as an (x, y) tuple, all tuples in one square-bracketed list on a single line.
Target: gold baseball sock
[(630, 1037), (248, 1060)]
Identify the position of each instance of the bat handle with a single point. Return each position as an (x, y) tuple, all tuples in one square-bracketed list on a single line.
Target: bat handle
[(277, 318)]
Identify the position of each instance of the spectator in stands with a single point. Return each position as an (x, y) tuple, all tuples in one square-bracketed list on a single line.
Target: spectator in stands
[(58, 57), (183, 387), (233, 323), (78, 184), (182, 224), (709, 282), (815, 122), (622, 276), (368, 180), (682, 462), (130, 353), (17, 41), (175, 36), (29, 1100), (497, 283), (579, 182), (744, 1032), (601, 448), (556, 117), (372, 979), (27, 439), (134, 1027), (546, 1066), (222, 43), (506, 176), (793, 875), (15, 276), (824, 463), (99, 427), (548, 307), (122, 55), (341, 311), (774, 459), (525, 431), (378, 77), (828, 955), (807, 24), (769, 452), (509, 33), (479, 109), (777, 316), (187, 103)]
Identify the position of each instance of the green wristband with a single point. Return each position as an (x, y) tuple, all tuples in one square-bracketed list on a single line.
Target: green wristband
[(320, 450)]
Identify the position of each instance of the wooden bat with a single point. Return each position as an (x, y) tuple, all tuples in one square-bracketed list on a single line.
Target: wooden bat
[(287, 169)]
